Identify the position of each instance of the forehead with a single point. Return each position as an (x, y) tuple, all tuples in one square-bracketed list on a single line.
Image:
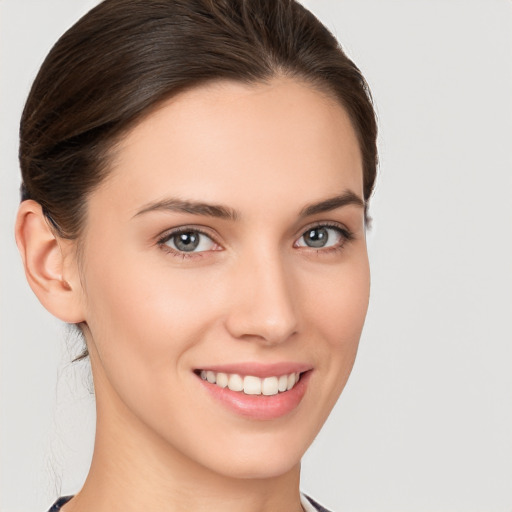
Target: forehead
[(236, 144)]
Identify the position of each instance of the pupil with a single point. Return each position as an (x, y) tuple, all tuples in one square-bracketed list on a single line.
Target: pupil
[(316, 237), (186, 241)]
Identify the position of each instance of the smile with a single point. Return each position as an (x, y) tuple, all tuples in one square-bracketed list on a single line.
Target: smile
[(257, 391), (250, 384)]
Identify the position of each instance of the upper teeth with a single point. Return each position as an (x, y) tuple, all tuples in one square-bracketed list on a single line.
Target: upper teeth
[(251, 385)]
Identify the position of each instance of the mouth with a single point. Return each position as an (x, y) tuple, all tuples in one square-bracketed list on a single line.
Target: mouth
[(251, 384), (255, 391)]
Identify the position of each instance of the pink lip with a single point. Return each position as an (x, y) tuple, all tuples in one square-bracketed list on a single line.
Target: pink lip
[(258, 407)]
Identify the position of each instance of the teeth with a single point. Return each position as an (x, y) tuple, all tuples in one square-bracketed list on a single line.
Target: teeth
[(235, 383), (250, 384), (222, 380), (283, 383), (269, 386)]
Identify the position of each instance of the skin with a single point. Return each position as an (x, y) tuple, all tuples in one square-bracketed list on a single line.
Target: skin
[(256, 293)]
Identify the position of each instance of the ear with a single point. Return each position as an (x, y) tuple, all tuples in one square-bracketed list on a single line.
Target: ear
[(50, 264)]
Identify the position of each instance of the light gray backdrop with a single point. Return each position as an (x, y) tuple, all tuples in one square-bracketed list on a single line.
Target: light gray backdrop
[(425, 423)]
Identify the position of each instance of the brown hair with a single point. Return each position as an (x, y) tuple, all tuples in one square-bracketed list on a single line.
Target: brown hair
[(125, 57)]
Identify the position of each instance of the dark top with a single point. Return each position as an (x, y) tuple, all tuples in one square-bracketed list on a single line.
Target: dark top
[(315, 504), (59, 503), (62, 501)]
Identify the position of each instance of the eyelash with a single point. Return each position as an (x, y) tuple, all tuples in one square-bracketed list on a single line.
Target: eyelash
[(162, 242), (345, 234)]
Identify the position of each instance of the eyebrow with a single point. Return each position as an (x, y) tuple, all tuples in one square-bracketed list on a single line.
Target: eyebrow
[(192, 207), (346, 198), (223, 212)]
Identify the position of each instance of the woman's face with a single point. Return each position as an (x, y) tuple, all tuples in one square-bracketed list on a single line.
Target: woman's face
[(227, 244)]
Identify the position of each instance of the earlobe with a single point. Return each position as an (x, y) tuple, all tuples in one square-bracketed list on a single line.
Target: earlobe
[(50, 264)]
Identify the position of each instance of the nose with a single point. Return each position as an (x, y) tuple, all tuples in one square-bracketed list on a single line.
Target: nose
[(262, 308)]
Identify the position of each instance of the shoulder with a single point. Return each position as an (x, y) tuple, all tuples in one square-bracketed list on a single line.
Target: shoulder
[(310, 505)]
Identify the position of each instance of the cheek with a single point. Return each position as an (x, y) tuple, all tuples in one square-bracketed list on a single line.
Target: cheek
[(144, 325), (340, 303), (142, 314), (338, 313)]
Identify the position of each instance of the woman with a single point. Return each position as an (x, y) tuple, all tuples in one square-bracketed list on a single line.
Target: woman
[(196, 177)]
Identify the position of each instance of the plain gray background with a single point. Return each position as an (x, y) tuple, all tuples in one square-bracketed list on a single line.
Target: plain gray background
[(425, 423)]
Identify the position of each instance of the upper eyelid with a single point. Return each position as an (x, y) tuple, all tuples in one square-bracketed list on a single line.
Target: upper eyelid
[(167, 233), (326, 224)]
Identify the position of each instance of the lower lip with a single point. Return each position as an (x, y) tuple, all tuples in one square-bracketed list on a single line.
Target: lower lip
[(260, 407)]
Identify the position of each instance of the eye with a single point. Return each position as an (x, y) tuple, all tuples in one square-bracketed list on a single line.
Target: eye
[(188, 241), (320, 237)]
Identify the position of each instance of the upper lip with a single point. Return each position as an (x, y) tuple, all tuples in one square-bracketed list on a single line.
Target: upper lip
[(259, 369)]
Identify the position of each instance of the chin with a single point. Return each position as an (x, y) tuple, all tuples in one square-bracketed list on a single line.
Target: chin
[(256, 459), (260, 469)]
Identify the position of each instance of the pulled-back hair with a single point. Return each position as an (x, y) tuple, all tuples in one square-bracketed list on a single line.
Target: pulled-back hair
[(125, 57)]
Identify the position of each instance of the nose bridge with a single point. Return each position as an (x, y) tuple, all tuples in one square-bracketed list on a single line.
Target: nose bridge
[(263, 305)]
